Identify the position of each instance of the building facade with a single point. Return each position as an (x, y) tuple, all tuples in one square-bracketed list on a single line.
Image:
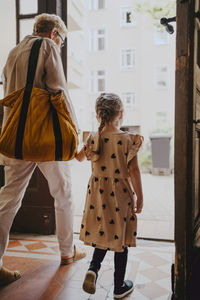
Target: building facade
[(122, 52)]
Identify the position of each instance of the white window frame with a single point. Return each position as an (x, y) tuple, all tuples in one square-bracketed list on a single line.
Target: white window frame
[(124, 10), (94, 37), (94, 4), (94, 81), (164, 78), (161, 37), (124, 59), (132, 97)]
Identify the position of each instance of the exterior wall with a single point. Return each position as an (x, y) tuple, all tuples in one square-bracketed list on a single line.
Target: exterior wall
[(141, 80), (81, 61)]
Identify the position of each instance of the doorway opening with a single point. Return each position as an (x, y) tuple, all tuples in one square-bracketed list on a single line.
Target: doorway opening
[(129, 54)]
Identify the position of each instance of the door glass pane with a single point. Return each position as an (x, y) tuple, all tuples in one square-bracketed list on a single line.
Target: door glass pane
[(198, 45), (8, 30), (25, 28), (1, 91), (28, 7)]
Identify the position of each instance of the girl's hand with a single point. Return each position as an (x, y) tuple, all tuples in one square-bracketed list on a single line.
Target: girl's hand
[(87, 150), (139, 206), (80, 156)]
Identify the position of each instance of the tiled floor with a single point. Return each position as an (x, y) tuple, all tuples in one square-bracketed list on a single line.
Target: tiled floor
[(37, 257)]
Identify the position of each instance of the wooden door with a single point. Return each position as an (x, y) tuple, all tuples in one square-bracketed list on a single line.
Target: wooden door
[(37, 212), (187, 133)]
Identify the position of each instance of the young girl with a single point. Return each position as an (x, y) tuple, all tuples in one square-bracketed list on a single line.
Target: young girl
[(109, 220)]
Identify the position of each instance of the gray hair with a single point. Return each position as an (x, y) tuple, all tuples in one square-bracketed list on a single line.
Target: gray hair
[(44, 23)]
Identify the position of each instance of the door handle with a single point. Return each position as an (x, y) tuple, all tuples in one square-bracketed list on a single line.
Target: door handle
[(196, 121), (197, 15), (165, 22)]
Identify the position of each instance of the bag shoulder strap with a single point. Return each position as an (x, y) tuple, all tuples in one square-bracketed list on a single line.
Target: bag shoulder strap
[(32, 63)]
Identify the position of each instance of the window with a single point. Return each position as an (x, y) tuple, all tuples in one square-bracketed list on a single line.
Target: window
[(28, 7), (127, 59), (129, 100), (97, 81), (161, 77), (26, 12), (97, 40), (127, 17), (97, 4), (161, 37), (161, 121), (25, 27)]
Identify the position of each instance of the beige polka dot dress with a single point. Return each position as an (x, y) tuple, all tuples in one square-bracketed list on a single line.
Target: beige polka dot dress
[(108, 220)]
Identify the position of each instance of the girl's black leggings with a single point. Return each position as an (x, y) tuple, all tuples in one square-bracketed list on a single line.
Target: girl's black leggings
[(120, 262)]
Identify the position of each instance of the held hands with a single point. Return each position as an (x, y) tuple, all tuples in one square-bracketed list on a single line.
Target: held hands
[(88, 152)]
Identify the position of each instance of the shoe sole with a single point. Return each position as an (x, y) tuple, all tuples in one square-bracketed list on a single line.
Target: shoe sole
[(89, 284), (124, 294), (16, 277), (70, 260)]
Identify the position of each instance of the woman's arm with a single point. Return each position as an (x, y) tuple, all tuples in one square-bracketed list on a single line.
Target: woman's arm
[(80, 156), (136, 181)]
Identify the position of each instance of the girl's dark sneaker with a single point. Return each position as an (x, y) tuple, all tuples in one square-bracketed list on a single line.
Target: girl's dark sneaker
[(124, 290), (89, 284)]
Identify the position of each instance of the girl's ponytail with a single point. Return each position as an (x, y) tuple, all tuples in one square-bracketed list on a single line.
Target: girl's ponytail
[(101, 126)]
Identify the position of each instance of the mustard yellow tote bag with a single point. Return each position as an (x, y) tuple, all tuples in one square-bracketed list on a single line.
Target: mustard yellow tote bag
[(39, 126)]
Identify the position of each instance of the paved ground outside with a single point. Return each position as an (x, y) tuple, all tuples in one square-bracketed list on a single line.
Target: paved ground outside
[(157, 219)]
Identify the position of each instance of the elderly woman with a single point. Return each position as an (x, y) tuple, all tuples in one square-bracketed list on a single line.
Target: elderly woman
[(49, 75)]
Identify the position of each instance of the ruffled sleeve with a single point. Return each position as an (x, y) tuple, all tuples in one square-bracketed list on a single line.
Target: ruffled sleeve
[(134, 146), (93, 147)]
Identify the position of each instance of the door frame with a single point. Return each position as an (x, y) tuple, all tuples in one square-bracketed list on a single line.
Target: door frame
[(185, 147)]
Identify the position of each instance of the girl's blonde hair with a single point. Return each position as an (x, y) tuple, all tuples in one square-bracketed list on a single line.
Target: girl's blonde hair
[(44, 23), (108, 105)]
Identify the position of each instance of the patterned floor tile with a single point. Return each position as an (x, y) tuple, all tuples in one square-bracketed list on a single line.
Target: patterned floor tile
[(144, 266), (13, 244), (165, 283), (166, 268), (165, 255), (141, 279), (149, 267), (154, 274), (18, 248), (36, 246), (45, 250), (136, 295), (152, 291), (152, 259)]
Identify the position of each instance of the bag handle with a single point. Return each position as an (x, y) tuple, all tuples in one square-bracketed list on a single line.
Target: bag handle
[(32, 64)]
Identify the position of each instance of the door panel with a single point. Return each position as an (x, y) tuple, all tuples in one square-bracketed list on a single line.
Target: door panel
[(187, 162)]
